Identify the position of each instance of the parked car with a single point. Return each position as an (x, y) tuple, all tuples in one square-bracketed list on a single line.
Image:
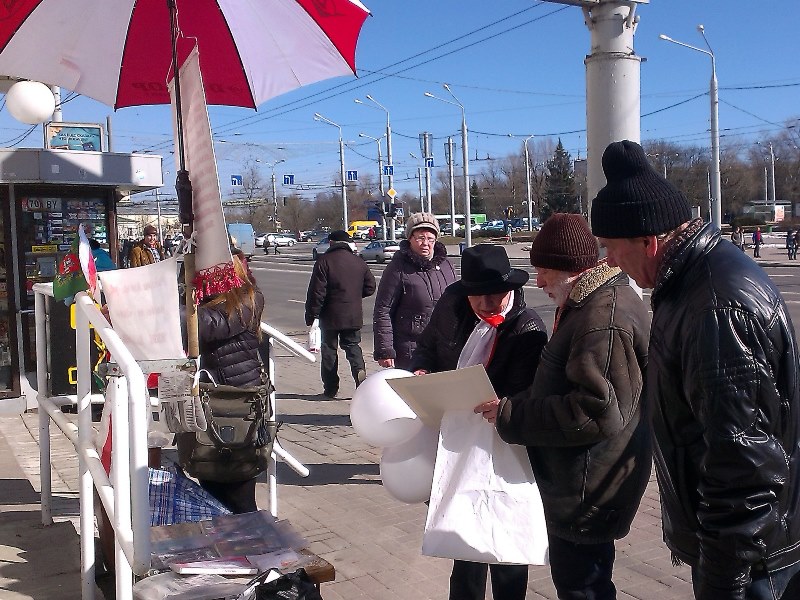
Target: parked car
[(380, 250)]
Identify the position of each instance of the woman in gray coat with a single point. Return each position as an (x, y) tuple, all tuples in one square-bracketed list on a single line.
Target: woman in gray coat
[(409, 289)]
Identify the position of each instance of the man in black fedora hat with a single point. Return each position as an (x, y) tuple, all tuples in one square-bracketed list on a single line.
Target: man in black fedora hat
[(483, 319)]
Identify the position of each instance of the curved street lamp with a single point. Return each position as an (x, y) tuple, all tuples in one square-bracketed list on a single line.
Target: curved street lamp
[(379, 106), (272, 166), (527, 179), (716, 183), (467, 207), (319, 117)]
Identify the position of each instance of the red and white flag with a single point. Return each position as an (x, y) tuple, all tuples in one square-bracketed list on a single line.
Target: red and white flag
[(87, 263)]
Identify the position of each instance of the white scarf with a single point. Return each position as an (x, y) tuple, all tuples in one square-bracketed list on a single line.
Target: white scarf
[(480, 343)]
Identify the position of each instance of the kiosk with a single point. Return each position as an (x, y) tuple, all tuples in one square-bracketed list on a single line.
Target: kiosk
[(44, 195)]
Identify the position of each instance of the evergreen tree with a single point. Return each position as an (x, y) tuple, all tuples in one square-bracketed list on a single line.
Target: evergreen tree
[(560, 195), (477, 202)]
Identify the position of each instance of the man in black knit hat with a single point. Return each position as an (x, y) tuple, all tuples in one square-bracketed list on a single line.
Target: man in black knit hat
[(581, 419), (723, 379)]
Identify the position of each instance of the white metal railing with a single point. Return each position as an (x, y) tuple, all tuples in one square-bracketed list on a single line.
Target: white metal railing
[(125, 496)]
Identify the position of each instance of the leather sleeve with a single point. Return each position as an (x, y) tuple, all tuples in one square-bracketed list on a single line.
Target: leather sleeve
[(317, 289), (389, 294)]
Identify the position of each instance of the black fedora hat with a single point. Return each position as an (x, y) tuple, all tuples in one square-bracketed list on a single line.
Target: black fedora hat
[(485, 270)]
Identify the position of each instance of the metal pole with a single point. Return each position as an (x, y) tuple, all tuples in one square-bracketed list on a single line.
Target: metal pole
[(391, 175), (772, 172), (449, 149), (344, 182), (274, 201), (421, 197), (528, 184), (766, 186), (716, 180), (467, 205)]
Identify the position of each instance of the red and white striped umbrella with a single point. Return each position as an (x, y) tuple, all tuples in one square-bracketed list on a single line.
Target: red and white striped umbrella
[(119, 51)]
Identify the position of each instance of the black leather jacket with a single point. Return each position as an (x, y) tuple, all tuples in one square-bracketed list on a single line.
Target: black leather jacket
[(723, 376)]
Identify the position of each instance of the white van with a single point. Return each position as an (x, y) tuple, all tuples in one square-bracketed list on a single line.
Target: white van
[(243, 236)]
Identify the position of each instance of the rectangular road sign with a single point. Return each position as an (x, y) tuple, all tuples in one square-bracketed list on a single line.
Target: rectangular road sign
[(288, 180), (429, 162), (236, 180), (352, 176), (388, 170)]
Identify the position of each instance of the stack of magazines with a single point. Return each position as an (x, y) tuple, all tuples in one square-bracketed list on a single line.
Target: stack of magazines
[(243, 544)]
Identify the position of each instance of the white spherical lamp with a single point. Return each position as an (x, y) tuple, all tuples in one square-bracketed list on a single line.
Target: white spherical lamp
[(30, 102), (407, 469), (379, 415)]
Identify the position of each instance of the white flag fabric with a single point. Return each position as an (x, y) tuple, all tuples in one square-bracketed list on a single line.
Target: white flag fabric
[(143, 306), (213, 261), (485, 505)]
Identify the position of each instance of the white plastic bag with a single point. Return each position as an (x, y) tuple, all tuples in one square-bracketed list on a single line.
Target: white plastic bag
[(485, 505), (314, 337)]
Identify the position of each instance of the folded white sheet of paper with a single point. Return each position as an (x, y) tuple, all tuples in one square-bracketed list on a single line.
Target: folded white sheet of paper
[(485, 505), (430, 396), (143, 305)]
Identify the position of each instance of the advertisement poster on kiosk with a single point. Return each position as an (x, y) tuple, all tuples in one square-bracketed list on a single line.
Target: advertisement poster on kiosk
[(74, 136)]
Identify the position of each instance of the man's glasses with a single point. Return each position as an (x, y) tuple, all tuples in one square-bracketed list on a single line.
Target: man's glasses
[(421, 239)]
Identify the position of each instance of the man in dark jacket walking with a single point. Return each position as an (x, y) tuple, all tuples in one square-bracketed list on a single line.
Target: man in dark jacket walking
[(582, 418), (339, 282), (723, 378)]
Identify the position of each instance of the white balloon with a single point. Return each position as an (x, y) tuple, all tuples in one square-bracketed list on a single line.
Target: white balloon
[(379, 415), (30, 102), (407, 469)]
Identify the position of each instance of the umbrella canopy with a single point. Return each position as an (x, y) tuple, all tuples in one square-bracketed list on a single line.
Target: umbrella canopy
[(119, 51)]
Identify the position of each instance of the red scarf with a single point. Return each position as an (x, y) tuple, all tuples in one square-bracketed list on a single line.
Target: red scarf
[(494, 320)]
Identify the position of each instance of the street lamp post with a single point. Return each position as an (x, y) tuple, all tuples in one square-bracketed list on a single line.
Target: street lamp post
[(272, 166), (319, 117), (390, 175), (467, 207), (716, 182), (772, 172), (377, 140), (527, 180), (419, 184)]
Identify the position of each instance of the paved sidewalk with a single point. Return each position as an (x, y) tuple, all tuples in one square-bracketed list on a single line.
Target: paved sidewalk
[(372, 540)]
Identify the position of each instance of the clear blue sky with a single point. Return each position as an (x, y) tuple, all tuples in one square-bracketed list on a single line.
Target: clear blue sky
[(517, 66)]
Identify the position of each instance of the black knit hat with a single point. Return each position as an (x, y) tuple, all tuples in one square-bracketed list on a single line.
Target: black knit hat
[(485, 269), (339, 235), (564, 243), (636, 201)]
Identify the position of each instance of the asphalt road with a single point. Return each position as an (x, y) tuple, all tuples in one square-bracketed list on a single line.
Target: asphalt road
[(284, 280)]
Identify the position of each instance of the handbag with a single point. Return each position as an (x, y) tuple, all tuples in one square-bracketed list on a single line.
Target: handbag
[(237, 442)]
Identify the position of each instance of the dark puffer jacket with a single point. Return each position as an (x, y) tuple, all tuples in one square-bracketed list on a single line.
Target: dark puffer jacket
[(339, 282), (409, 289), (723, 374), (229, 347), (582, 419), (520, 339)]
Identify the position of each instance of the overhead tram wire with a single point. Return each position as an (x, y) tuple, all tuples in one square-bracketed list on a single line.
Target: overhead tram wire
[(351, 85)]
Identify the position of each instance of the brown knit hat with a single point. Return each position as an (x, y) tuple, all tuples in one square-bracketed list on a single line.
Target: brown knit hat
[(150, 229), (564, 243)]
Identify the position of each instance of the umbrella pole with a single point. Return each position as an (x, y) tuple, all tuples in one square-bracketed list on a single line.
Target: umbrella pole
[(183, 189)]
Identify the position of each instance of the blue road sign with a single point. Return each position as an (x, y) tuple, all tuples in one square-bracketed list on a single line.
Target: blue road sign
[(398, 211), (288, 180), (352, 176), (388, 170), (236, 180), (429, 162)]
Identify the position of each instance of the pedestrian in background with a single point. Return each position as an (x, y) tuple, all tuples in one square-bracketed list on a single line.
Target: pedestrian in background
[(737, 237), (339, 282), (757, 241), (582, 419), (482, 319), (723, 380), (147, 250), (790, 248), (410, 286)]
